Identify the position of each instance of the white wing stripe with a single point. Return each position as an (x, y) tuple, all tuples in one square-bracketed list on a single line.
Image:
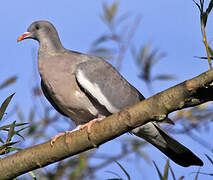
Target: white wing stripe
[(95, 91)]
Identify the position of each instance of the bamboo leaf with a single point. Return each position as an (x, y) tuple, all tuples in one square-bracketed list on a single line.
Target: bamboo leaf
[(7, 126), (172, 172), (158, 171), (110, 11), (8, 82), (7, 144), (4, 105), (32, 175), (164, 77), (210, 51), (181, 178), (101, 39), (126, 173), (209, 158), (166, 170), (197, 174), (11, 131)]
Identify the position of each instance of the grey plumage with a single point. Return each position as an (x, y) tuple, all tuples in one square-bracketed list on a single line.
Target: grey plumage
[(83, 87)]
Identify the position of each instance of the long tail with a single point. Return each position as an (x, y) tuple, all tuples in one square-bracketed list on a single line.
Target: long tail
[(181, 155)]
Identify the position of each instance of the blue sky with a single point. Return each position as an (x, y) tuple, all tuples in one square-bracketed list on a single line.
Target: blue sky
[(171, 26)]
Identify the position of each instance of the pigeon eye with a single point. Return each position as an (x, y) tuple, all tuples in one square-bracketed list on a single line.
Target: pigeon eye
[(37, 27)]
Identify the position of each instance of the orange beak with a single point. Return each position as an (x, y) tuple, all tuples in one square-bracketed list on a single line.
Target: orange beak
[(24, 36)]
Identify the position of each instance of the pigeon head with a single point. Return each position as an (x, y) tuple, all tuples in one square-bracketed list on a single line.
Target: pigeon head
[(45, 33)]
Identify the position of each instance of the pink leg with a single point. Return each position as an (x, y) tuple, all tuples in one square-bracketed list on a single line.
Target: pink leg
[(53, 139), (90, 123)]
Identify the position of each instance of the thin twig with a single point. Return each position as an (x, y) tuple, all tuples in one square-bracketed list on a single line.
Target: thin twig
[(206, 45)]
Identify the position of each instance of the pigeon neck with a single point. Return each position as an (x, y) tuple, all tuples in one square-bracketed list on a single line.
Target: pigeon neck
[(51, 45)]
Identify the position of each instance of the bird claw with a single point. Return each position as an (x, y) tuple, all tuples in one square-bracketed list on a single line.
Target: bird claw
[(53, 139), (90, 123)]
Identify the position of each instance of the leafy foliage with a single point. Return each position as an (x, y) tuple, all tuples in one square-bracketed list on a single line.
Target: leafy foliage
[(203, 21), (6, 145), (146, 59), (119, 36), (8, 82)]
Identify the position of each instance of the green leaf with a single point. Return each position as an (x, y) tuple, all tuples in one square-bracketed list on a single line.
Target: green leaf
[(110, 11), (32, 115), (15, 149), (11, 131), (32, 175), (111, 172), (4, 105), (209, 158), (17, 132), (101, 39), (7, 126), (8, 82), (210, 51), (81, 165), (208, 10), (197, 174), (106, 53), (159, 173), (202, 57), (5, 145), (166, 170), (164, 77), (181, 178), (11, 149), (19, 113), (143, 155), (172, 172), (127, 175)]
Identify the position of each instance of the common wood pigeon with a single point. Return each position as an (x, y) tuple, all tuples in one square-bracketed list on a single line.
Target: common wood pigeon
[(84, 87)]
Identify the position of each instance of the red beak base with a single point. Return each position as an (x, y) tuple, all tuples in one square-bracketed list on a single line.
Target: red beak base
[(24, 36)]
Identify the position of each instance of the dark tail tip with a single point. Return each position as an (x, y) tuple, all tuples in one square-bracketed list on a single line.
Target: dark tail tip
[(184, 159)]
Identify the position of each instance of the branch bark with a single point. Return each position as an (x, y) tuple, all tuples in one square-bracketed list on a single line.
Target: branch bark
[(186, 94)]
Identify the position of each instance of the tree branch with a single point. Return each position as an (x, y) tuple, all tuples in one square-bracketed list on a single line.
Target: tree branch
[(187, 94)]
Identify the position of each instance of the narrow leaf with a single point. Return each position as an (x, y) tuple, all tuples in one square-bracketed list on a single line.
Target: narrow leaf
[(111, 172), (7, 126), (111, 11), (197, 174), (181, 178), (11, 131), (166, 170), (159, 173), (32, 175), (202, 57), (164, 77), (210, 50), (209, 158), (7, 144), (197, 4), (172, 172), (4, 105), (208, 10), (7, 82), (1, 140), (127, 175), (101, 39)]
